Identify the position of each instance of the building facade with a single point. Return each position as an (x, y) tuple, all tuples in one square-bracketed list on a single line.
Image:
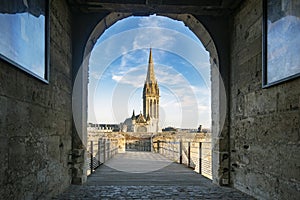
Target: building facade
[(255, 151), (148, 121)]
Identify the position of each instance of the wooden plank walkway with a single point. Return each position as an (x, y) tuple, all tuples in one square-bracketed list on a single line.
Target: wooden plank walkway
[(144, 168), (146, 175)]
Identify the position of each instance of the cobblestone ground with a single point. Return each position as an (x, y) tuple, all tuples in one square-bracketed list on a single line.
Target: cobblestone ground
[(150, 192), (136, 180)]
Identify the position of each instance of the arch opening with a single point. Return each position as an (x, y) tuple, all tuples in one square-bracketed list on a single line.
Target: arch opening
[(202, 34)]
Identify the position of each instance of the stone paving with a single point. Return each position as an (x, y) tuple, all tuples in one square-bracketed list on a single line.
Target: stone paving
[(171, 181)]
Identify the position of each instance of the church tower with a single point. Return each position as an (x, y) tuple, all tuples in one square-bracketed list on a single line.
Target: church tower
[(149, 120), (151, 94)]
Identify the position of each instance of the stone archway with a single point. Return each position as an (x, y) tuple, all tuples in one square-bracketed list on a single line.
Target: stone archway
[(220, 136)]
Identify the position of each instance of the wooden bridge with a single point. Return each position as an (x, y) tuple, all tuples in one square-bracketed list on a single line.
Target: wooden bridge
[(147, 175)]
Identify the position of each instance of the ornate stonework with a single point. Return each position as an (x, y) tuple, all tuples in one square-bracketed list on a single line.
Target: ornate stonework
[(149, 120)]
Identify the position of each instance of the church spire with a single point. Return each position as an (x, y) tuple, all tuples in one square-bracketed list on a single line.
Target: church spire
[(150, 74), (150, 56), (133, 117)]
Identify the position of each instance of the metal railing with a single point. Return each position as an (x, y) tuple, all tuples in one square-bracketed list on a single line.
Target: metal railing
[(196, 155), (99, 152), (138, 145)]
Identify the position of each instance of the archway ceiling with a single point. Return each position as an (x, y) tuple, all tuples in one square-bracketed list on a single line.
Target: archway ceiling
[(146, 7)]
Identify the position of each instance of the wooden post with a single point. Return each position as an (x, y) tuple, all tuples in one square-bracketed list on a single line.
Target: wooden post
[(173, 151), (189, 154), (169, 149), (180, 152), (108, 149), (104, 150), (91, 157), (114, 148), (99, 151), (200, 157), (151, 143)]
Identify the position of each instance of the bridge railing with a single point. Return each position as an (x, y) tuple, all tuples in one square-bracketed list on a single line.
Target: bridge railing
[(142, 144), (196, 155), (99, 152)]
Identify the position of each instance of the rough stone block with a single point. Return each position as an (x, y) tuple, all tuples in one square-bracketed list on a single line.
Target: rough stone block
[(34, 122), (264, 122), (17, 152), (4, 159), (53, 143), (3, 114), (8, 73)]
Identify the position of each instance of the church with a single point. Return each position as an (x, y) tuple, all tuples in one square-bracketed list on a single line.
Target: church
[(148, 121)]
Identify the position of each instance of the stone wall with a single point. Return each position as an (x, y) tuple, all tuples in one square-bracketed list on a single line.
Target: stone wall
[(95, 135), (264, 127), (36, 120)]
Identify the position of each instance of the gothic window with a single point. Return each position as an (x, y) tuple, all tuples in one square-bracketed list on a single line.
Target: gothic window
[(151, 108), (155, 105)]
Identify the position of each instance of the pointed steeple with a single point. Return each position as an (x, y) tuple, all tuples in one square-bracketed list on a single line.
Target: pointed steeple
[(150, 74), (151, 93), (150, 56), (133, 117)]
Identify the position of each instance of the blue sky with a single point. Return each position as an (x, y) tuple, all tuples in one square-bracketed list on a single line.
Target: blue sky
[(118, 66), (283, 48), (19, 33)]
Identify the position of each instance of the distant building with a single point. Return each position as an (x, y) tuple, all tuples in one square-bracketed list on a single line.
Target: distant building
[(104, 127), (167, 129), (149, 120), (187, 130)]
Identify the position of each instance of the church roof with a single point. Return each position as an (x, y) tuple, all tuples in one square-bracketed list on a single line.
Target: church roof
[(140, 118), (150, 73)]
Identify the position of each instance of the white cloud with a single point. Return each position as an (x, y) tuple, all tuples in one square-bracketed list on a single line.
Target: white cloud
[(181, 100), (153, 37), (202, 108), (23, 29), (151, 21), (95, 75), (178, 95), (117, 78), (134, 76)]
